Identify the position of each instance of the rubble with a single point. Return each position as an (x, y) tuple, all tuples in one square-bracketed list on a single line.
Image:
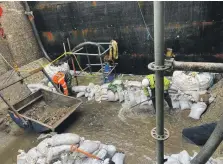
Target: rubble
[(43, 112)]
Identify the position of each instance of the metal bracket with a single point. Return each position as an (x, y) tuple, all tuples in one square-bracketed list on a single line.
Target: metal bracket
[(29, 13), (160, 137), (167, 65)]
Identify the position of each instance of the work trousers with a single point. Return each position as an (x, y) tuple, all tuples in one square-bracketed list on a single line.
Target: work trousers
[(166, 98)]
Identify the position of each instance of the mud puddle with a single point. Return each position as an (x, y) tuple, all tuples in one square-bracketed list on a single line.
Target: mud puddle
[(100, 121)]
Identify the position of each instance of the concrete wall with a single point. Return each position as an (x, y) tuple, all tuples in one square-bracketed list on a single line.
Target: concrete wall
[(20, 45), (193, 29)]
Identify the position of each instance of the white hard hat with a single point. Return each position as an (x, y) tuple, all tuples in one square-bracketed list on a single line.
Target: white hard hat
[(145, 82)]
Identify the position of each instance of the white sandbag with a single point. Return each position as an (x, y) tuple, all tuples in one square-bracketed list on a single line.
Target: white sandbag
[(184, 104), (109, 148), (65, 139), (133, 84), (41, 160), (197, 109), (54, 152), (79, 88), (205, 80), (44, 136), (118, 158), (181, 81), (176, 104), (86, 94), (80, 94), (35, 87), (43, 146), (111, 96), (184, 157), (105, 86), (89, 146), (52, 70), (116, 96), (57, 162), (21, 158), (104, 91), (117, 82), (33, 155)]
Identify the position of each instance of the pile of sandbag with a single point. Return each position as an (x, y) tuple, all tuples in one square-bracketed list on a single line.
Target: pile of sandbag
[(184, 158), (70, 148), (189, 91)]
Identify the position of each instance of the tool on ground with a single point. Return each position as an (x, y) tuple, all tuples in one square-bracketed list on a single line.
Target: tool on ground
[(139, 103), (74, 148), (13, 109)]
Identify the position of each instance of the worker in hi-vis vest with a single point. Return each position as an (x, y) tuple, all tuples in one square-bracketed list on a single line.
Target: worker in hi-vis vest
[(63, 80), (149, 81)]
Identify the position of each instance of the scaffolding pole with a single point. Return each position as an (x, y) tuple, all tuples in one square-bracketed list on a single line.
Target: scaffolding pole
[(159, 62)]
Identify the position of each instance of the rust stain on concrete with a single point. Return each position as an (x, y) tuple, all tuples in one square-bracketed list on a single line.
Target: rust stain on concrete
[(49, 36), (94, 3)]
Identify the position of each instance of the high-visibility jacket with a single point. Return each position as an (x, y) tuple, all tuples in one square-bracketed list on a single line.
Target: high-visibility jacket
[(152, 84), (59, 78)]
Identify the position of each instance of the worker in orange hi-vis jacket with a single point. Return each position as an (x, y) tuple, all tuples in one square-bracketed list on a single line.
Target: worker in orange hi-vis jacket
[(59, 79)]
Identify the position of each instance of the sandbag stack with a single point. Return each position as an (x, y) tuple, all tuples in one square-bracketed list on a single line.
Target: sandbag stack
[(59, 149)]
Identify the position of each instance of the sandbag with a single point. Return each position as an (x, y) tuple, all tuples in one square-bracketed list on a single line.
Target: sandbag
[(41, 160), (205, 80), (89, 146), (111, 96), (33, 155), (176, 104), (54, 152), (21, 158), (181, 81), (80, 94), (35, 87), (118, 158), (43, 146), (117, 82), (57, 162), (105, 86), (197, 109), (79, 88), (52, 70), (65, 139), (109, 148), (133, 84), (184, 104)]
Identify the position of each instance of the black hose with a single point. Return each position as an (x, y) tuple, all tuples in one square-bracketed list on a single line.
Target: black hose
[(27, 9)]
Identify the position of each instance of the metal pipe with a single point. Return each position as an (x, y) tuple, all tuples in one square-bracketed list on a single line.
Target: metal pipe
[(106, 50), (88, 59), (74, 53), (159, 61), (104, 43), (31, 19), (211, 145), (102, 67), (72, 61), (198, 66)]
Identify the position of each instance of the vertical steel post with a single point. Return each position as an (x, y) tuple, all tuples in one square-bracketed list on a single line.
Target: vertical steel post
[(159, 61)]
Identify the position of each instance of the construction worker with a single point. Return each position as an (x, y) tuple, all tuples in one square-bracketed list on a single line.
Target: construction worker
[(63, 81), (149, 81)]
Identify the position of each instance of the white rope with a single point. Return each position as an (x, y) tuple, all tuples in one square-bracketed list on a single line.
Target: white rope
[(6, 61), (144, 22)]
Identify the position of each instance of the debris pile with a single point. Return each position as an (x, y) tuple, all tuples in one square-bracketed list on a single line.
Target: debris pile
[(70, 148), (43, 112)]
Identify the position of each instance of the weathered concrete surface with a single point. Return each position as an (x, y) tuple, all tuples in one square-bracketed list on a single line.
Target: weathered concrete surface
[(19, 34)]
